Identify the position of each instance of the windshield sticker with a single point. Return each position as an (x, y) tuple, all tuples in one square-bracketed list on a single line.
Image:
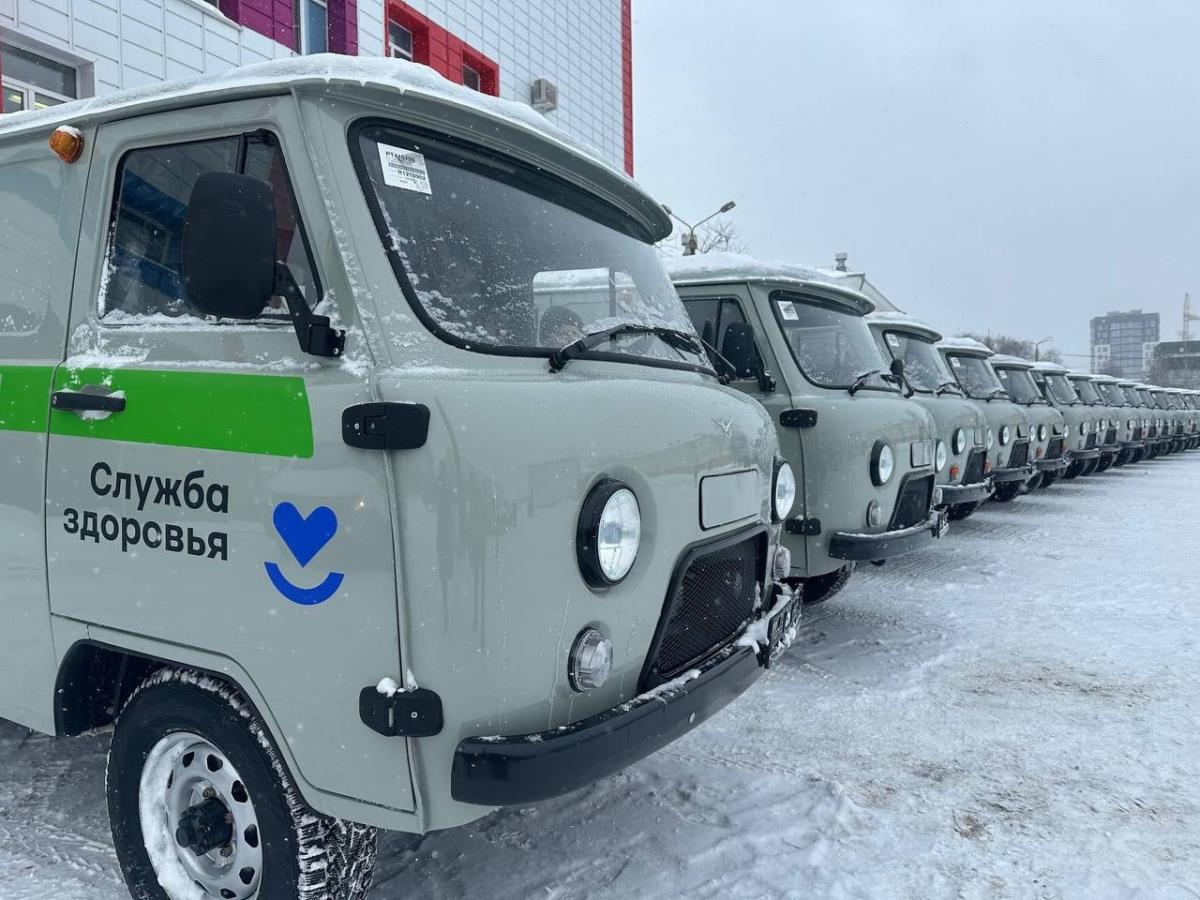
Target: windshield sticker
[(956, 362), (305, 537), (893, 341), (404, 169), (787, 309)]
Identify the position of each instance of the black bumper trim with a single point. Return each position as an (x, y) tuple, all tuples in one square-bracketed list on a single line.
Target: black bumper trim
[(1132, 445), (954, 494), (1023, 473), (887, 544), (526, 768), (1051, 465), (1093, 453)]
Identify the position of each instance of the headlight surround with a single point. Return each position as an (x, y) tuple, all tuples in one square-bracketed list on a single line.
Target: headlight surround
[(1005, 435), (1130, 424), (991, 438), (1042, 433), (1083, 429), (591, 660), (783, 492), (883, 463), (609, 533), (959, 441), (939, 457)]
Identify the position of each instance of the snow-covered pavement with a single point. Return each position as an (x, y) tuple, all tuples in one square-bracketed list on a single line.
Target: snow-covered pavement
[(1014, 714)]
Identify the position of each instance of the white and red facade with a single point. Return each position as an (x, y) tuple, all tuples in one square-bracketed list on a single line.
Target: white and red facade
[(52, 50)]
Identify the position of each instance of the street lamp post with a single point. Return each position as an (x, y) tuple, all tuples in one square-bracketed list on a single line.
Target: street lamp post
[(690, 244), (1037, 347)]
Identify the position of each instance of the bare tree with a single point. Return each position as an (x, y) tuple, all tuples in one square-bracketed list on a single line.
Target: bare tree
[(1014, 346), (722, 236)]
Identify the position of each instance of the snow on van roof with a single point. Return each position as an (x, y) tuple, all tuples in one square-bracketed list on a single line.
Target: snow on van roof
[(904, 321), (738, 267), (966, 345), (1045, 365), (304, 73), (1107, 379), (1013, 362)]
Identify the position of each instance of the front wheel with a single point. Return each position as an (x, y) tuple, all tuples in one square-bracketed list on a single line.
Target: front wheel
[(1007, 491), (960, 511), (202, 806), (1049, 478)]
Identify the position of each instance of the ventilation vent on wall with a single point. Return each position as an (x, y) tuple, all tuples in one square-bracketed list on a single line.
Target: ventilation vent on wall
[(544, 96)]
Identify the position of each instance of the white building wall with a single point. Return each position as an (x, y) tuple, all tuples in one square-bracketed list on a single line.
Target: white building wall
[(136, 42), (129, 43)]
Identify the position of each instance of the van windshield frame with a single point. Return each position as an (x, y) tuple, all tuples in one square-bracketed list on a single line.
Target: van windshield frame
[(595, 235), (854, 328), (1019, 385)]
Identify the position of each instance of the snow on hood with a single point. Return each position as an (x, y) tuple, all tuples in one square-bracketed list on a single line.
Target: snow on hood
[(966, 345)]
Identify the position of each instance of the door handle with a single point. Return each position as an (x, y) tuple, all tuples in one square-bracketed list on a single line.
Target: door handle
[(82, 401)]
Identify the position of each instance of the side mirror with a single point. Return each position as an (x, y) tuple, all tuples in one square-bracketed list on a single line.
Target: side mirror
[(897, 368), (229, 267), (228, 246)]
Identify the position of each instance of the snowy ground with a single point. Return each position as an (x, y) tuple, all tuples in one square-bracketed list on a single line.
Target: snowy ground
[(1015, 714)]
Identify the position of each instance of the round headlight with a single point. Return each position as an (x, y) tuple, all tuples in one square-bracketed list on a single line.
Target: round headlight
[(960, 441), (939, 457), (1042, 433), (1005, 435), (991, 439), (610, 531), (1083, 429), (784, 495), (590, 661), (1130, 425), (883, 463)]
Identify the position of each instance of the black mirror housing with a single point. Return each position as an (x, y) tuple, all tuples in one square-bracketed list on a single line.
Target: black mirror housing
[(737, 346), (897, 368), (228, 245)]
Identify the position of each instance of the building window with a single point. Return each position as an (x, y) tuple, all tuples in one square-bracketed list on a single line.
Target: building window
[(471, 78), (313, 23), (400, 41), (34, 82)]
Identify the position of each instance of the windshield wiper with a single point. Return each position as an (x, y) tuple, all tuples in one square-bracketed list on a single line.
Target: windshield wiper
[(861, 380), (672, 337), (994, 393), (944, 387)]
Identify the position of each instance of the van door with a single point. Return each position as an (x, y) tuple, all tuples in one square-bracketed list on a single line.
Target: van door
[(719, 316), (201, 493), (42, 200)]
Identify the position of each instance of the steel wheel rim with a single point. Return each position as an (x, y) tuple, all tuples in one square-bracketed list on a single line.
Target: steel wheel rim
[(182, 770)]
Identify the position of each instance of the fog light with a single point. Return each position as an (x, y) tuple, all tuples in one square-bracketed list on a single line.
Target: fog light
[(782, 566), (874, 514), (591, 660)]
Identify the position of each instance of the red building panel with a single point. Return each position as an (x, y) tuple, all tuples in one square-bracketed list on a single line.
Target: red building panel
[(442, 51), (627, 78)]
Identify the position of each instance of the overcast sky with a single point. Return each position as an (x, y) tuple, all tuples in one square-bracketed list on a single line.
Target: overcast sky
[(1018, 165)]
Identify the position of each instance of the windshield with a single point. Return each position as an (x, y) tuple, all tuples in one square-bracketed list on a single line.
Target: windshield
[(1132, 395), (1147, 400), (1160, 400), (493, 256), (1087, 393), (1060, 388), (975, 376), (831, 346), (1110, 392), (1019, 385), (923, 366)]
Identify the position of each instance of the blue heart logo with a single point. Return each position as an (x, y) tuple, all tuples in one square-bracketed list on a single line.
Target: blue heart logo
[(305, 537)]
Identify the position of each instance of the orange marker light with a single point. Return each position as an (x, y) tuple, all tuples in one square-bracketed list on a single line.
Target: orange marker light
[(67, 143), (953, 472)]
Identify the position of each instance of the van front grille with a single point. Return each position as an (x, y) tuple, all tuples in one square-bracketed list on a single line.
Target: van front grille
[(714, 595), (973, 473), (1091, 441), (1054, 449), (1019, 455), (1110, 436), (912, 506)]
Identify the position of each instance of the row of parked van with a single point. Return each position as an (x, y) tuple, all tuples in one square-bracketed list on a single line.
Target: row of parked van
[(364, 468)]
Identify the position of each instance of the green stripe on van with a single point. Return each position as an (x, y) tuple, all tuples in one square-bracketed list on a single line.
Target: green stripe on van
[(238, 412), (25, 397)]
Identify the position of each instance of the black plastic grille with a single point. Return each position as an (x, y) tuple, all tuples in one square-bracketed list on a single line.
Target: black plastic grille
[(1019, 455), (1137, 433), (1152, 431), (912, 506), (973, 474), (1054, 449), (1091, 441), (713, 598), (1110, 436)]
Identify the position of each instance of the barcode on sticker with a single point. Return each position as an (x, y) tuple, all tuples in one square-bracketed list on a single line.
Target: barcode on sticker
[(404, 169), (787, 309)]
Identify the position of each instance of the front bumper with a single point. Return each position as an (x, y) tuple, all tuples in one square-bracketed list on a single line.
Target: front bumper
[(954, 494), (888, 544), (1132, 445), (1020, 473), (1084, 455), (503, 771), (1052, 465)]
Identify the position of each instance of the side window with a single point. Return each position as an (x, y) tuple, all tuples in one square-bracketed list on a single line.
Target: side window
[(704, 316), (143, 275)]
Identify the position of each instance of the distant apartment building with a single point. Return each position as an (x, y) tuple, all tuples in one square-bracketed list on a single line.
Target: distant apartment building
[(1177, 364), (1123, 343), (571, 60)]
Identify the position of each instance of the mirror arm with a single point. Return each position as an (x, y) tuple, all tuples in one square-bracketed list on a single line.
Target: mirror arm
[(313, 332)]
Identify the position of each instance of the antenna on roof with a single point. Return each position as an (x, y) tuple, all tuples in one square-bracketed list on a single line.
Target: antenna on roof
[(839, 261)]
